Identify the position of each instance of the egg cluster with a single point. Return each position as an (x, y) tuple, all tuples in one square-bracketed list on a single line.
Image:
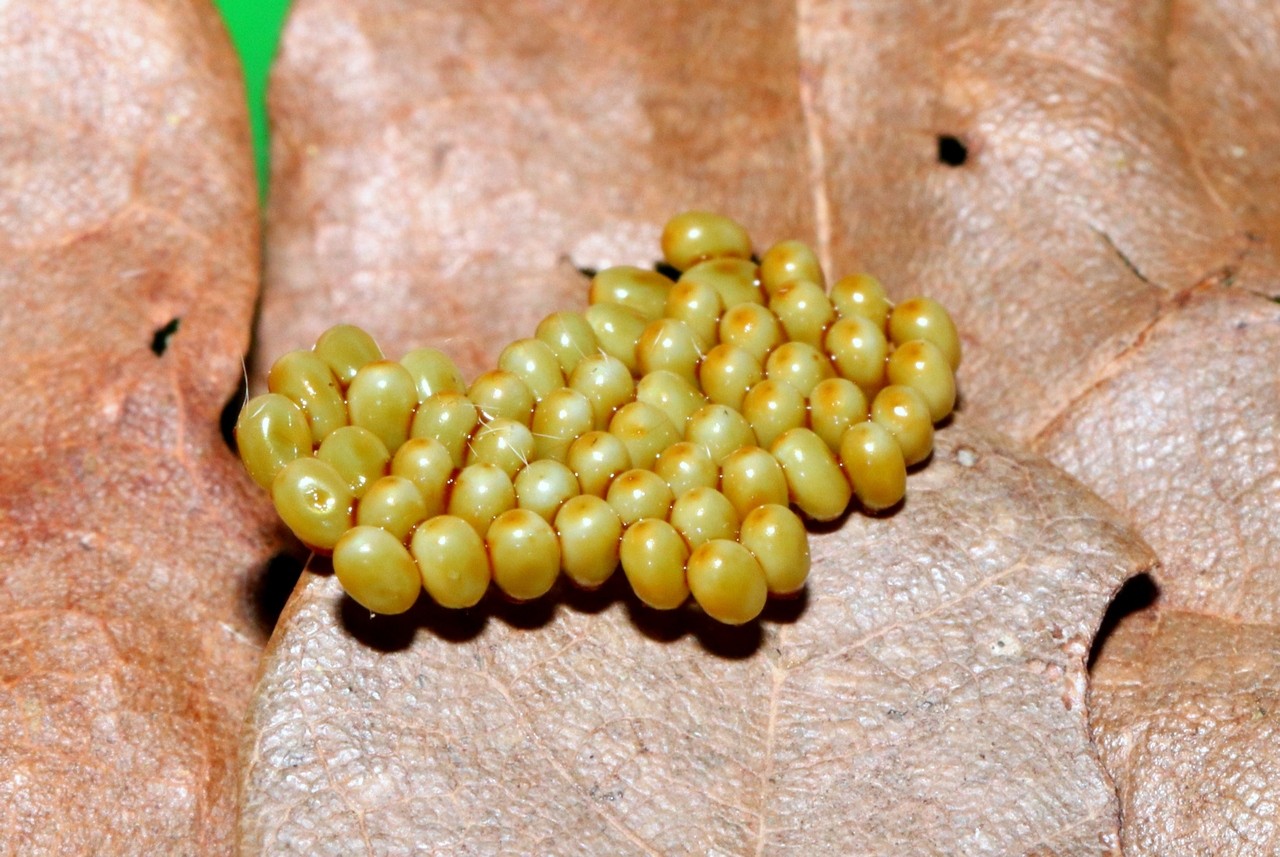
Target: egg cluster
[(668, 429)]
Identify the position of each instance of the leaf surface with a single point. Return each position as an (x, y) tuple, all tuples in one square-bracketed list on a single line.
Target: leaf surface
[(127, 281)]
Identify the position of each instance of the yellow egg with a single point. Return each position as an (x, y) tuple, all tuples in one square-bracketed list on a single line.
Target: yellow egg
[(450, 419), (703, 514), (804, 310), (569, 337), (314, 501), (834, 405), (270, 432), (773, 407), (358, 455), (501, 442), (753, 328), (426, 463), (727, 373), (873, 461), (640, 290), (904, 413), (777, 539), (736, 281), (800, 365), (597, 458), (347, 349), (638, 494), (653, 555), (481, 492), (671, 345), (309, 382), (788, 261), (544, 486), (501, 394), (922, 366), (699, 306), (524, 554), (382, 398), (925, 318), (858, 349), (606, 383), (590, 532), (617, 330), (670, 394), (750, 477), (861, 295), (692, 236), (375, 569), (686, 465), (393, 503), (644, 430), (452, 561), (720, 430), (727, 582), (433, 372), (534, 363), (559, 419), (814, 479)]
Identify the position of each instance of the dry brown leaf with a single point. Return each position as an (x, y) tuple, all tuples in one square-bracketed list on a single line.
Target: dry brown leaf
[(927, 699), (439, 179), (129, 642)]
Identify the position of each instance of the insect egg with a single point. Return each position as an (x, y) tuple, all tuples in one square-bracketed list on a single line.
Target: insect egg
[(653, 557), (753, 328), (427, 464), (644, 430), (376, 570), (533, 361), (597, 457), (772, 407), (671, 345), (788, 261), (861, 295), (524, 554), (750, 477), (814, 479), (451, 560), (726, 374), (501, 442), (858, 349), (693, 236), (393, 503), (617, 329), (310, 383), (720, 430), (481, 492), (921, 365), (777, 539), (560, 418), (873, 460), (905, 414), (347, 349), (544, 486), (357, 454), (638, 494), (642, 291), (499, 393), (606, 383), (382, 398), (804, 311), (703, 514), (569, 337), (271, 431), (670, 394), (736, 281), (834, 405), (589, 531), (925, 318), (432, 372), (800, 365), (450, 419), (699, 306), (686, 465), (314, 501), (727, 581)]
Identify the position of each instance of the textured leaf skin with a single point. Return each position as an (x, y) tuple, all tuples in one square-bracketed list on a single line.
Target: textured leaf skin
[(129, 537), (928, 698)]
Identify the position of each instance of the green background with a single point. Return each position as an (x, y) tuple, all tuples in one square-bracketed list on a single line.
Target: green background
[(255, 29)]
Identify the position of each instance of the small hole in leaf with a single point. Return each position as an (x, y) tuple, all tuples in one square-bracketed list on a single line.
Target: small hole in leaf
[(952, 151), (666, 270), (1136, 595), (589, 273), (231, 413), (160, 339)]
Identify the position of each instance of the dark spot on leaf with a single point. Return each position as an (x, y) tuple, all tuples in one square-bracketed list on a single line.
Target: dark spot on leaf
[(160, 339), (589, 273), (271, 585), (1136, 595), (952, 151)]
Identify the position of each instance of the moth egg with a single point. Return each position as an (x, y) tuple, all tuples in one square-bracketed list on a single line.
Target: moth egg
[(358, 455), (433, 372), (925, 318), (923, 367), (692, 236), (534, 363), (727, 373), (777, 539), (751, 477), (858, 349), (481, 492), (314, 501), (699, 306), (804, 310), (861, 295), (638, 494), (904, 413), (347, 349), (569, 337), (720, 430), (544, 486), (874, 462), (800, 365), (834, 405), (427, 464), (606, 383), (736, 281), (670, 394), (773, 407), (452, 562), (686, 465), (504, 443), (815, 481), (703, 514), (524, 554), (788, 261), (450, 419), (501, 394), (558, 420), (376, 570), (597, 458), (753, 328), (382, 398), (617, 330), (640, 290), (393, 503), (590, 532), (309, 382), (653, 556), (644, 430), (727, 582), (671, 345), (271, 431)]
